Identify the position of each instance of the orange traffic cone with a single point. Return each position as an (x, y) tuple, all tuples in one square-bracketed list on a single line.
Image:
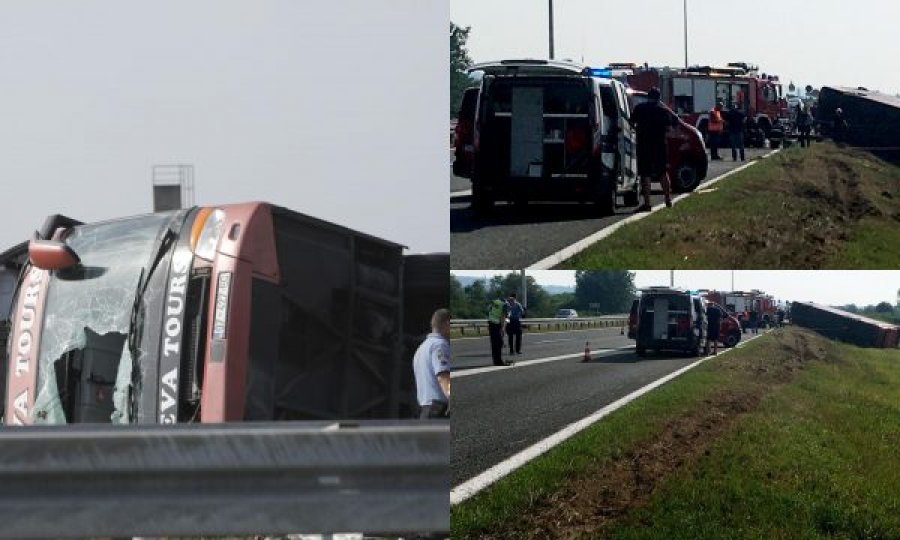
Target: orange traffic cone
[(587, 352)]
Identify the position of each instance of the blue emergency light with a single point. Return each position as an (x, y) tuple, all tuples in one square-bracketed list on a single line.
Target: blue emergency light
[(605, 73)]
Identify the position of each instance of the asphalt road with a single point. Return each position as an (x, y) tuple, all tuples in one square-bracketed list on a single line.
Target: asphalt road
[(518, 237), (498, 412)]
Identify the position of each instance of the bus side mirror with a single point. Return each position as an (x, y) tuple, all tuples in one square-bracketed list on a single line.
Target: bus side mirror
[(51, 255)]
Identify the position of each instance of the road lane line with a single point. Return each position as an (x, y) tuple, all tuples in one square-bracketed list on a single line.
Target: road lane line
[(474, 485), (570, 251), (525, 363)]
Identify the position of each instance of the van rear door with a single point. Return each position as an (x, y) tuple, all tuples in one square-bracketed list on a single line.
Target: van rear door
[(627, 153)]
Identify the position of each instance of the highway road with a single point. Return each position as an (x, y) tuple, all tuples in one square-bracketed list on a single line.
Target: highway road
[(517, 238), (499, 411)]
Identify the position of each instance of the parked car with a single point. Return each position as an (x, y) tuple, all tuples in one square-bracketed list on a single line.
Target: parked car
[(550, 131), (464, 131), (567, 314), (670, 319), (688, 163), (729, 327)]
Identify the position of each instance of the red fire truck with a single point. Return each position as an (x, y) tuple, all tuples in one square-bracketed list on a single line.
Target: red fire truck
[(693, 92), (738, 302)]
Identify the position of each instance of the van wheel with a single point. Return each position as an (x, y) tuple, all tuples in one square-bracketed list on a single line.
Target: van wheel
[(631, 198), (686, 179), (732, 339), (482, 203), (607, 200)]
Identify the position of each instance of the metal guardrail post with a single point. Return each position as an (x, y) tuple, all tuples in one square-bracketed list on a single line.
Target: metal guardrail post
[(227, 479)]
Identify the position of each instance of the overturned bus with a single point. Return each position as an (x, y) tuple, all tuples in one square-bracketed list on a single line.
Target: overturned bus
[(238, 312)]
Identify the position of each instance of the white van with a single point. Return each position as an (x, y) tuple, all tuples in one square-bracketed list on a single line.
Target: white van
[(552, 131)]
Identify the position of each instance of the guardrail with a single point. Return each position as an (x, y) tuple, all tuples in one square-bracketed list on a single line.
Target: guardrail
[(227, 479), (479, 326)]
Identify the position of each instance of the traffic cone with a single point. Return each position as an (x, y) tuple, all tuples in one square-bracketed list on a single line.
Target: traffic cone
[(587, 352)]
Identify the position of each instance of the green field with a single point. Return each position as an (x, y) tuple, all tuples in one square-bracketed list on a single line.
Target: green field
[(822, 207), (791, 436)]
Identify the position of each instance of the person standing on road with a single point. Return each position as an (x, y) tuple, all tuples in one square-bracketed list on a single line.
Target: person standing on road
[(496, 323), (431, 367), (514, 327), (754, 322), (734, 122), (715, 127), (652, 121), (804, 126), (713, 324)]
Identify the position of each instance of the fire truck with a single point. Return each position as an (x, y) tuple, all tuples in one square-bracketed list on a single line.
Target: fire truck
[(737, 302), (694, 91)]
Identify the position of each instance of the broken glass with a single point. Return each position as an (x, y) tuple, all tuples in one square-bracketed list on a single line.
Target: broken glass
[(87, 316)]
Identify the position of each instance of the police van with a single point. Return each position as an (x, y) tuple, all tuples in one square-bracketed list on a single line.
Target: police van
[(547, 130), (670, 319)]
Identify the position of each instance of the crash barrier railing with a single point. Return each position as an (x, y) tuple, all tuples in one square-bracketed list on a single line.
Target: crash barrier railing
[(227, 479), (479, 327)]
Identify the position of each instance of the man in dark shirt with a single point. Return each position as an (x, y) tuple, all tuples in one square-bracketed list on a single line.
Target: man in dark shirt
[(713, 324), (652, 121), (734, 123)]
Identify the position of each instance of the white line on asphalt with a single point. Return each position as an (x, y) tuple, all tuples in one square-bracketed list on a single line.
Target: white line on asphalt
[(570, 251), (555, 340), (472, 486), (525, 363)]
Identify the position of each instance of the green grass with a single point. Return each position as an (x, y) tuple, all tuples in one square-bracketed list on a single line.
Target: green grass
[(824, 207), (609, 439), (819, 458)]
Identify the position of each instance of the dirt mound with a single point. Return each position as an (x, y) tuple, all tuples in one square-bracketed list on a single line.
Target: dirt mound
[(592, 502)]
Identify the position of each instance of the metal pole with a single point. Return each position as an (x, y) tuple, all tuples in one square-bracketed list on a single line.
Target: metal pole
[(732, 280), (551, 29), (524, 291), (685, 36), (671, 278)]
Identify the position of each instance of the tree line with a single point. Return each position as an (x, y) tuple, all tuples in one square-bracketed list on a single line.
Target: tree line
[(596, 292)]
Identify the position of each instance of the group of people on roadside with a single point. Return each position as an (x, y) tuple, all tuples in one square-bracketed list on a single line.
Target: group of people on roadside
[(431, 361), (505, 316), (730, 122)]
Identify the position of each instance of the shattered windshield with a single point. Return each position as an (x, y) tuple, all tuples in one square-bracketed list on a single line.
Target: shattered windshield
[(84, 366)]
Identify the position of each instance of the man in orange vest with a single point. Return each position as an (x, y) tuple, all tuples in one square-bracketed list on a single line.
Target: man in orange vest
[(715, 127)]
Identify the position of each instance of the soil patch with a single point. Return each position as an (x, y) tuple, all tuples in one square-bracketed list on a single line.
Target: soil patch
[(592, 502)]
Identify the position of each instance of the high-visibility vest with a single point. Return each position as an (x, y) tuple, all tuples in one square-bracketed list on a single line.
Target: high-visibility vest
[(716, 124), (495, 313)]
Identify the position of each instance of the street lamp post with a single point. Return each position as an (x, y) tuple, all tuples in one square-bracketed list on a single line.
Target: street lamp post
[(551, 29), (685, 36)]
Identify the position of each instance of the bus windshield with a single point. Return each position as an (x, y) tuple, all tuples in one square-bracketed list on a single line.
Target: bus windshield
[(84, 364)]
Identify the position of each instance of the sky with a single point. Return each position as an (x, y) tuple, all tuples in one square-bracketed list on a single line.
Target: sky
[(826, 42), (831, 287), (335, 109)]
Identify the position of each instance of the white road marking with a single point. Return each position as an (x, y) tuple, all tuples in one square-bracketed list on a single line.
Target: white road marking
[(474, 485), (570, 251), (525, 363)]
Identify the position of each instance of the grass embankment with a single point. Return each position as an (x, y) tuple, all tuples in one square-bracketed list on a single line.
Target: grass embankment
[(792, 436), (821, 207)]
